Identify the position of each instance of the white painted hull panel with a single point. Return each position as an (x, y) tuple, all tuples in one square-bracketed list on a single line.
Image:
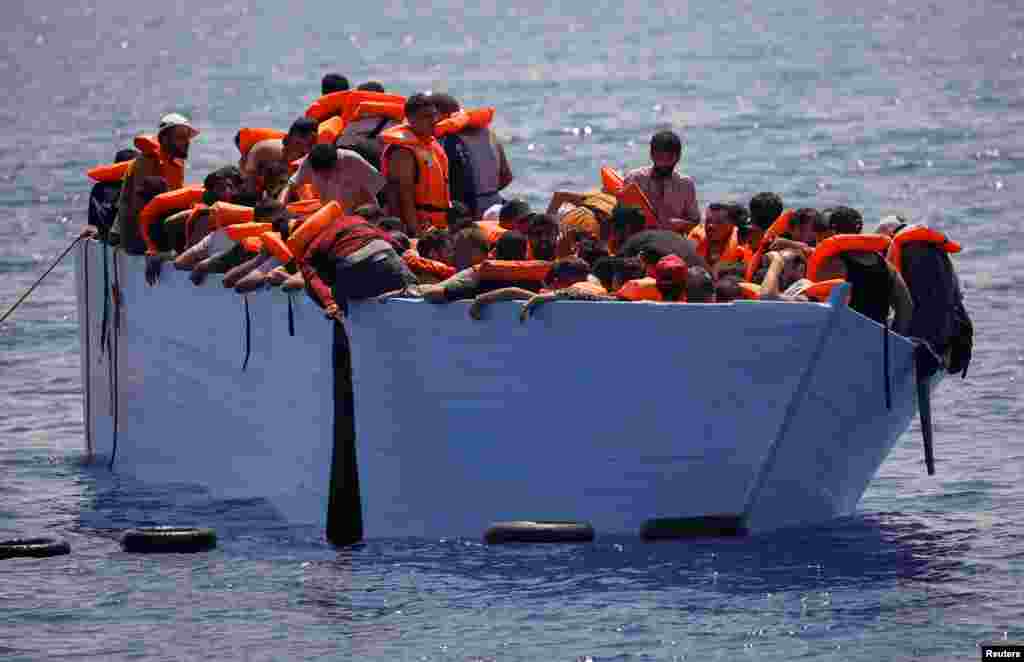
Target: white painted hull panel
[(609, 413)]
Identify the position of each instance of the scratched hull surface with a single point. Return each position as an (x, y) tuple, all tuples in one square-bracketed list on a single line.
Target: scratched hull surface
[(769, 410)]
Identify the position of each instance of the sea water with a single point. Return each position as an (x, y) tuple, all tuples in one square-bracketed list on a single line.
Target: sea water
[(913, 107)]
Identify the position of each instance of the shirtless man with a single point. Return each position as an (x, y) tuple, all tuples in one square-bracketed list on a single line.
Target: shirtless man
[(295, 145)]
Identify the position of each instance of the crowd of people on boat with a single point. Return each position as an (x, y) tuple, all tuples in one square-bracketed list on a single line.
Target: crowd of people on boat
[(374, 194)]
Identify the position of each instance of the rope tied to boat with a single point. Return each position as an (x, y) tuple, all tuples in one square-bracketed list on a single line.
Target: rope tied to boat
[(248, 333)]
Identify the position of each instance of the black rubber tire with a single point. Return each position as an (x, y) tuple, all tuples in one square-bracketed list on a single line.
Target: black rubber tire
[(529, 531), (33, 547), (680, 528), (169, 540)]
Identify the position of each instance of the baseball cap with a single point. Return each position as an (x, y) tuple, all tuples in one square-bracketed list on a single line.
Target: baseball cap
[(172, 120), (670, 270)]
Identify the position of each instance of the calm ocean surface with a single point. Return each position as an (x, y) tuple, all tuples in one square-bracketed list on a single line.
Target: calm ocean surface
[(910, 106)]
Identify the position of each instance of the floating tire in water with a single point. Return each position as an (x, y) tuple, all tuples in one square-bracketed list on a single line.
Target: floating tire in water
[(169, 540), (33, 547), (534, 532), (708, 526)]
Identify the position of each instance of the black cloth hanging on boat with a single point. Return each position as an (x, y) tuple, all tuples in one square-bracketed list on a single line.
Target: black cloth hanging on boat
[(869, 277)]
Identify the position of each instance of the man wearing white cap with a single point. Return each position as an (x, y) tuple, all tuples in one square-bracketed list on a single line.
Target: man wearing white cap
[(164, 157)]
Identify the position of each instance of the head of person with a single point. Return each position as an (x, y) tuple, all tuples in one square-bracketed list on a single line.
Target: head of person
[(542, 233), (401, 240), (727, 289), (700, 286), (125, 155), (591, 250), (390, 224), (765, 207), (802, 224), (446, 104), (626, 221), (300, 139), (511, 246), (152, 186), (221, 185), (670, 278), (469, 247), (333, 83), (650, 258), (822, 229), (566, 272), (721, 218), (513, 215), (891, 225), (323, 158), (175, 134), (436, 245), (421, 115), (371, 212), (371, 86), (845, 220), (666, 151), (459, 216)]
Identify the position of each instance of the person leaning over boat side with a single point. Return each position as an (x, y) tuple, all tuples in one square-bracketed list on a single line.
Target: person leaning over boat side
[(628, 233), (467, 283), (416, 168), (922, 257), (565, 273), (673, 196), (356, 260), (340, 175), (295, 145), (166, 159), (876, 286)]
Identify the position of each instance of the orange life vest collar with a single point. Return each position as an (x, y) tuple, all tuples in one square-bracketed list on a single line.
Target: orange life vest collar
[(171, 169), (730, 253), (248, 137), (914, 234), (421, 265), (476, 118), (431, 193), (844, 243), (110, 173), (164, 204), (344, 103)]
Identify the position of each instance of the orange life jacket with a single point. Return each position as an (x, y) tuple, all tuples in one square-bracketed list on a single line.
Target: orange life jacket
[(918, 233), (821, 290), (749, 291), (421, 266), (431, 194), (640, 289), (844, 243), (251, 244), (633, 196), (534, 271), (329, 130), (110, 173), (225, 214), (277, 247), (492, 230), (307, 230), (731, 252), (777, 228), (393, 110), (611, 181), (164, 204), (172, 170), (305, 207), (343, 103), (476, 118), (240, 231), (248, 137)]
